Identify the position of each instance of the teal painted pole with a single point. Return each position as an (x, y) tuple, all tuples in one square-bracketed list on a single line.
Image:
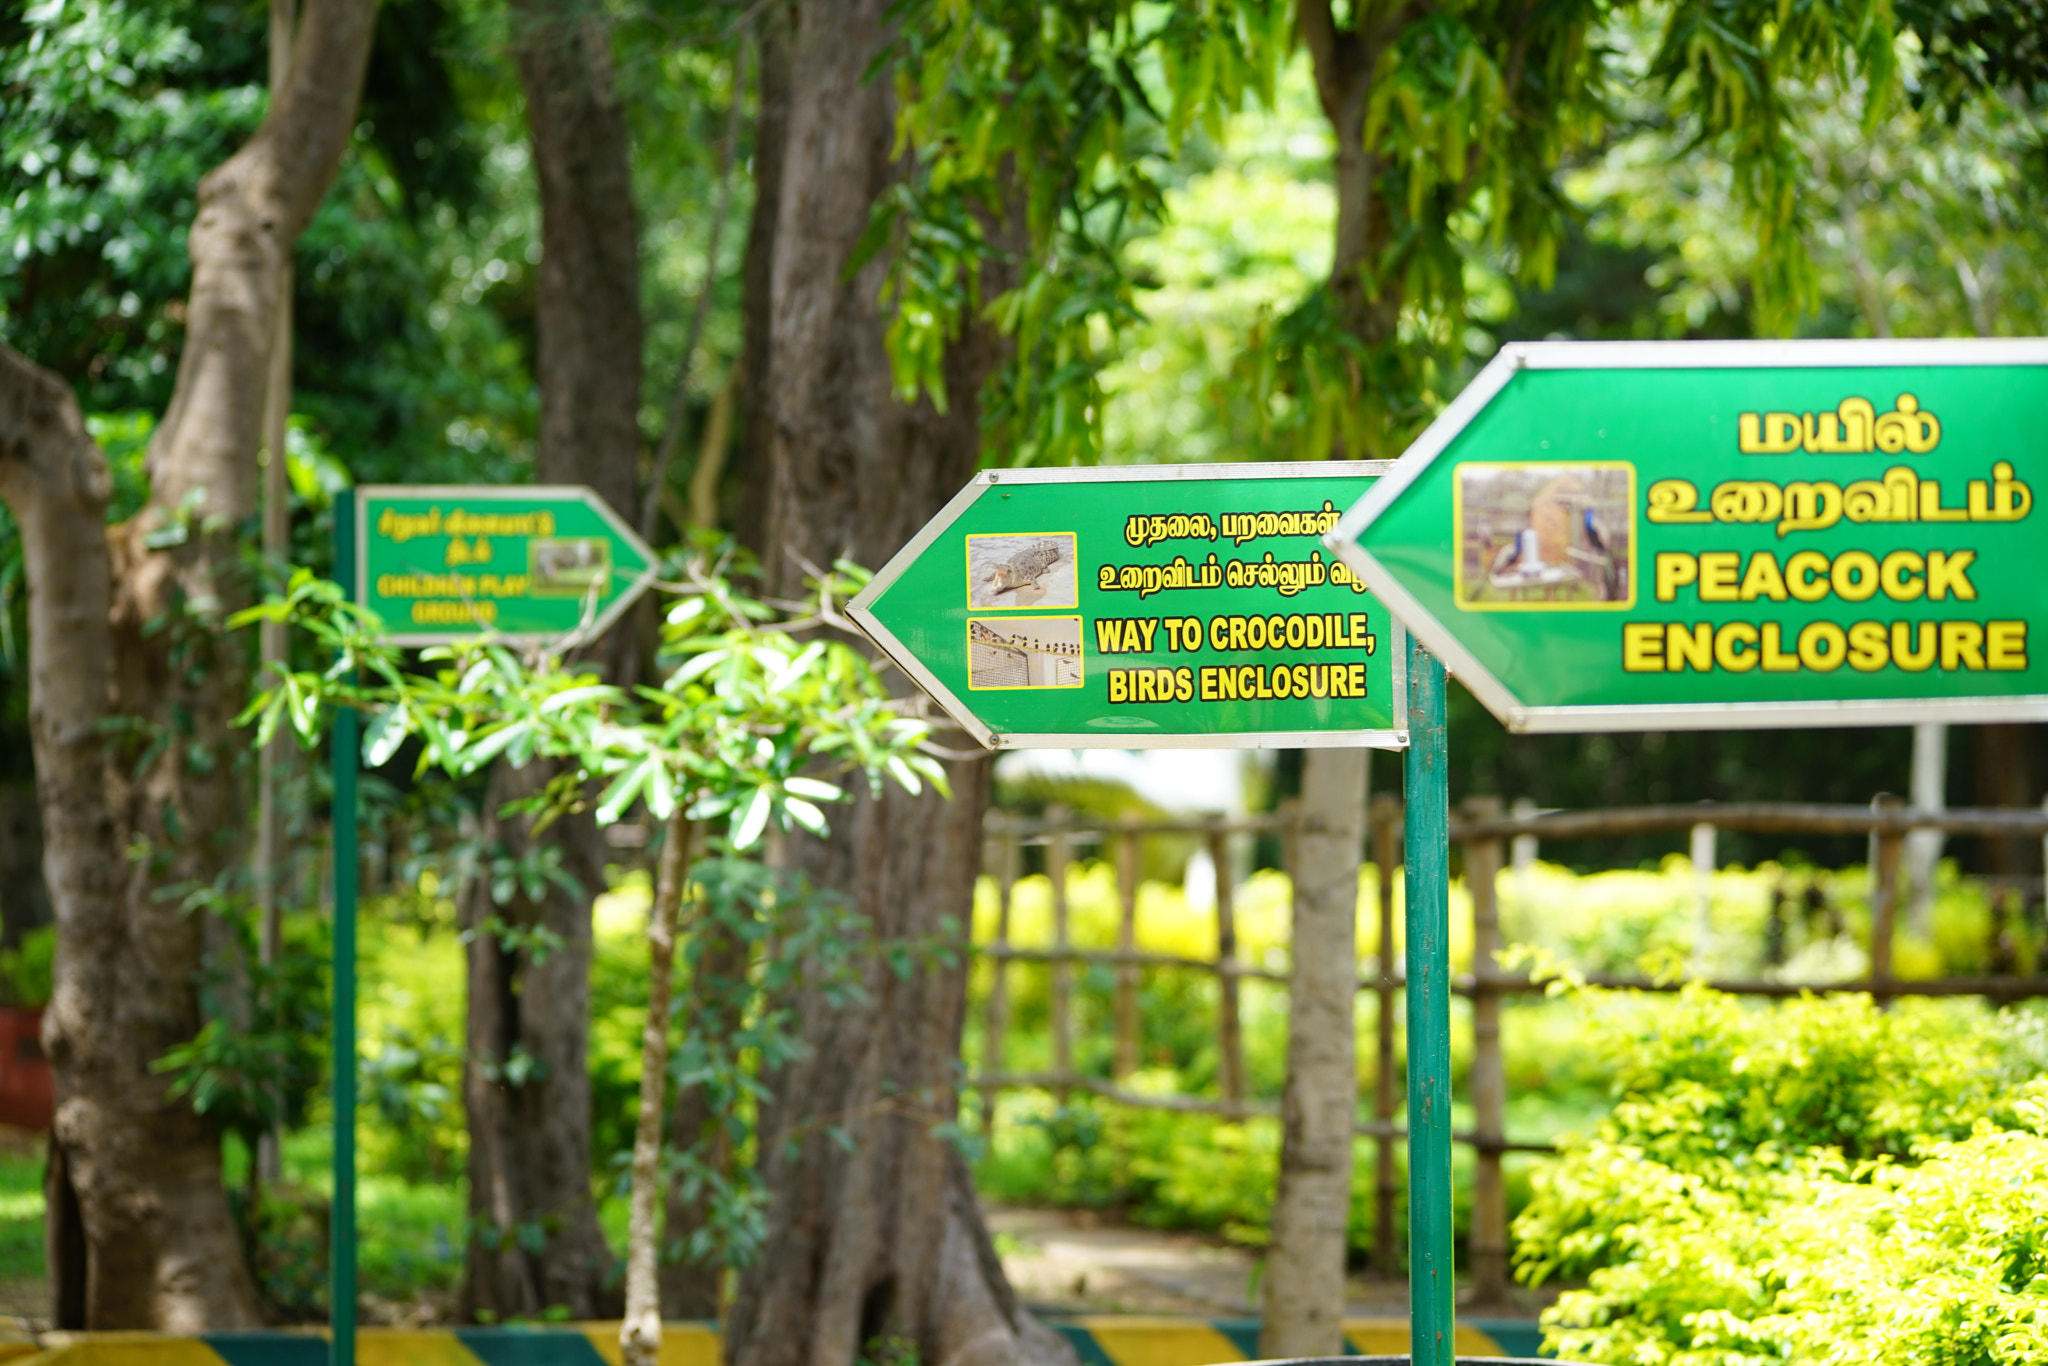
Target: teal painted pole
[(1428, 953), (347, 748)]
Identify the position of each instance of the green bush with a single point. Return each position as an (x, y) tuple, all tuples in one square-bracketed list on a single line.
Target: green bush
[(1818, 1181)]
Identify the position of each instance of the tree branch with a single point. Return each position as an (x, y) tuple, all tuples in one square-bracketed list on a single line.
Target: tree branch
[(252, 208), (672, 433)]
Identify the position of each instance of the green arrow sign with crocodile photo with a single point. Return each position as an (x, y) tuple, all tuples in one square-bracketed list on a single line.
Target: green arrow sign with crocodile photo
[(1150, 606), (1691, 535)]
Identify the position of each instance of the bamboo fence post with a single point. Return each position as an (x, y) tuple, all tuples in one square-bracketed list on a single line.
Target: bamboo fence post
[(1386, 846), (998, 1024), (1489, 1073), (1059, 1001), (1229, 1033), (1888, 846), (1125, 1060)]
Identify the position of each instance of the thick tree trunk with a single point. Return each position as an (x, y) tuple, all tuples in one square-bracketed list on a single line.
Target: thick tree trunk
[(538, 1244), (880, 1239), (1304, 1282), (535, 1244), (2007, 773), (1303, 1288), (692, 1287), (125, 627), (24, 899)]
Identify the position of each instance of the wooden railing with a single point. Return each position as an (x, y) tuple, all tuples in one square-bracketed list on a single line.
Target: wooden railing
[(1484, 831)]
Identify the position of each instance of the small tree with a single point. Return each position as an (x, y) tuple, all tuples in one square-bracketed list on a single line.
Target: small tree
[(758, 715)]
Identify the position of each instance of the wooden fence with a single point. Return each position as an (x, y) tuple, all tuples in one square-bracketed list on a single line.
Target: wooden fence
[(1484, 832)]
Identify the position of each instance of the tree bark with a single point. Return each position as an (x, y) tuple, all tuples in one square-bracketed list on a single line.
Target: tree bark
[(125, 627), (693, 1288), (24, 899), (878, 1238), (1303, 1287), (539, 1245), (640, 1334)]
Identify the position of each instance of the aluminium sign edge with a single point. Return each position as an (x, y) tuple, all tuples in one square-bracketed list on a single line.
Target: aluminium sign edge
[(1342, 539), (860, 609)]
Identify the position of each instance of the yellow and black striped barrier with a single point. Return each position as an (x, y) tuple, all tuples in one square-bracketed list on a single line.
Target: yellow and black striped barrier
[(1098, 1339)]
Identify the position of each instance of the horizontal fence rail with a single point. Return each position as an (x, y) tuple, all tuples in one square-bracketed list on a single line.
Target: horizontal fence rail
[(1483, 830)]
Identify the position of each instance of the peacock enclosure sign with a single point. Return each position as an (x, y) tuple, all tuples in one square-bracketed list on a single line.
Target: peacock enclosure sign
[(1154, 606), (1694, 535)]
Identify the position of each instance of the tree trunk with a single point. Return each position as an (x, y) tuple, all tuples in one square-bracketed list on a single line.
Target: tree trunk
[(125, 628), (879, 1238), (24, 899), (1303, 1287), (538, 1244), (535, 1244), (2007, 773), (692, 1288), (640, 1335)]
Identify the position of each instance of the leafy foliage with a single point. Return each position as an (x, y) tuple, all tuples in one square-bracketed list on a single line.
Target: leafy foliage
[(753, 728), (259, 1058), (1814, 1182)]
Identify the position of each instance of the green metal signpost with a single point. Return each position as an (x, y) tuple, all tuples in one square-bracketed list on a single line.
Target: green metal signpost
[(1158, 606), (438, 565)]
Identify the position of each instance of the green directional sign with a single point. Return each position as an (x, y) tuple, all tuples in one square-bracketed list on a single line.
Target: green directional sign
[(446, 563), (1150, 606), (1691, 535)]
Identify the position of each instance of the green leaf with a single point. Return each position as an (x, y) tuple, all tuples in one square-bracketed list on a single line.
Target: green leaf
[(699, 665), (624, 789), (569, 697), (488, 748), (753, 820), (812, 788), (806, 815), (661, 791), (385, 733)]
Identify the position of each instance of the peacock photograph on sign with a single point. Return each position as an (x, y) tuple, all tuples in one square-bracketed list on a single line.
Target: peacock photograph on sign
[(1029, 570), (1546, 537)]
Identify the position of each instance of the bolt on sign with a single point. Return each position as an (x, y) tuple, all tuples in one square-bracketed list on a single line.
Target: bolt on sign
[(1694, 535), (1154, 606), (440, 564)]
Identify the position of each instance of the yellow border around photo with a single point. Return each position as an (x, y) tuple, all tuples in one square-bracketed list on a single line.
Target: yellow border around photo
[(1458, 584), (1073, 553), (1080, 657)]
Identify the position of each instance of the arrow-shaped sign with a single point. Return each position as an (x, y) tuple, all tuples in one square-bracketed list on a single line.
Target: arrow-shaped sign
[(1694, 535), (1153, 606), (526, 564)]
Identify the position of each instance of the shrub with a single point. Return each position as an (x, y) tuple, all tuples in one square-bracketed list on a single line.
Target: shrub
[(1818, 1181)]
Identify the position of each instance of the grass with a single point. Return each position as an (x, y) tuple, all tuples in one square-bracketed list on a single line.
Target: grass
[(21, 1215)]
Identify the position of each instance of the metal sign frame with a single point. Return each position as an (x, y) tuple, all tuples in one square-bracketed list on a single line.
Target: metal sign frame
[(580, 493), (860, 609), (1665, 355)]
